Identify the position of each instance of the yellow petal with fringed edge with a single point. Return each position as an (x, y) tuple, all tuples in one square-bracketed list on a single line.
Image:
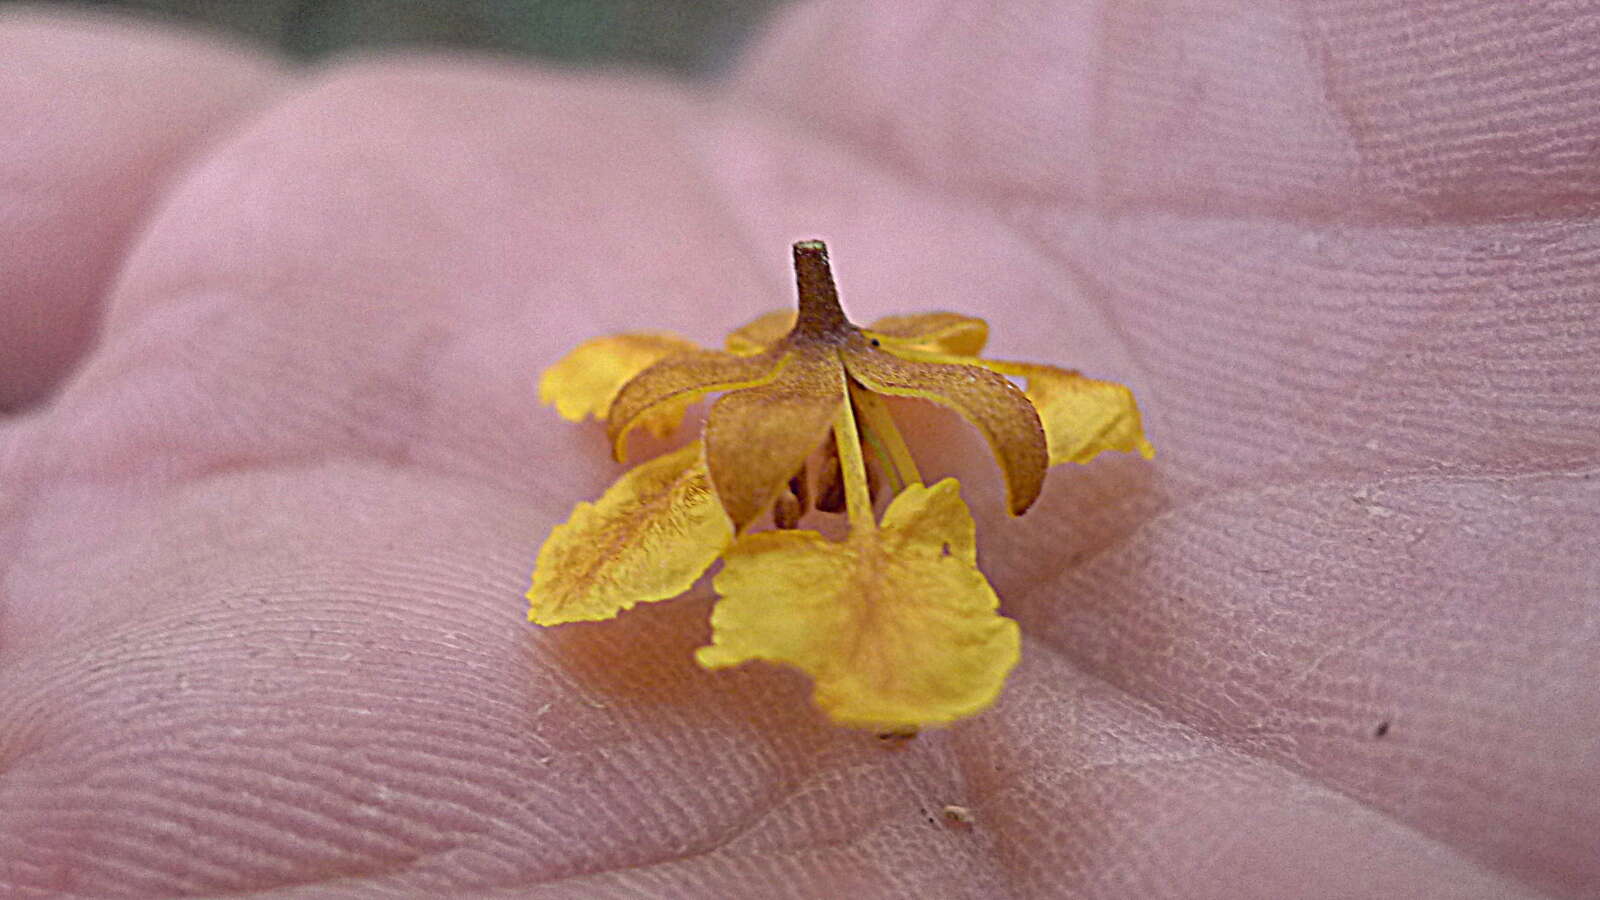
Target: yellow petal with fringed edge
[(585, 382), (761, 333), (934, 332), (896, 626), (652, 533), (1082, 417)]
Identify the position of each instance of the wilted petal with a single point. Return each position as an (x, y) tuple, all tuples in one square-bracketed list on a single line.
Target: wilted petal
[(1082, 417), (988, 400), (757, 438), (896, 627), (758, 335), (648, 538), (586, 381), (935, 332), (678, 381)]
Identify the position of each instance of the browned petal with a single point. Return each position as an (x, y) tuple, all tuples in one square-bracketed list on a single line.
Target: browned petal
[(934, 332), (757, 438), (989, 401), (682, 378)]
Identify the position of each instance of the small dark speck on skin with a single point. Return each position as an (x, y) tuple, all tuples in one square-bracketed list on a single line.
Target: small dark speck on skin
[(1382, 729), (894, 740)]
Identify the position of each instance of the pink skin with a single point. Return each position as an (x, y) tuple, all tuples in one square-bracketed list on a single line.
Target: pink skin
[(262, 549)]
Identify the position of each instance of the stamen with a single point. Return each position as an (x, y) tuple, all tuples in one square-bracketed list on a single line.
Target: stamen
[(885, 440), (791, 503), (800, 484), (853, 466), (830, 481)]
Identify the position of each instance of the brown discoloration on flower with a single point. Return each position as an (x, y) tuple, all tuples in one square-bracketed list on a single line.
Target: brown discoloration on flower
[(757, 438), (692, 374), (988, 400)]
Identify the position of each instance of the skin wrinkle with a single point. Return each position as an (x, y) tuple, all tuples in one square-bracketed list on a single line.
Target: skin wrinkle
[(1217, 749), (1216, 729), (1423, 475)]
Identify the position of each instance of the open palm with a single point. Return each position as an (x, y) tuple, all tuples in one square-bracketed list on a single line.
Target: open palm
[(264, 545)]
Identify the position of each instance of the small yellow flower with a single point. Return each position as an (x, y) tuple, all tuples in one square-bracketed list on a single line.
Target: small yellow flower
[(895, 624)]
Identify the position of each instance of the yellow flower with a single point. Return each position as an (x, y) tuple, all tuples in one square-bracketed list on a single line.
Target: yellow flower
[(895, 624)]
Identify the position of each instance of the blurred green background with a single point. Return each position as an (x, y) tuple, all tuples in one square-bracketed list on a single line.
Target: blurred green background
[(692, 37)]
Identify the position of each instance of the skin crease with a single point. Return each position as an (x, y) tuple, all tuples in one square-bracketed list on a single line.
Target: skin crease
[(262, 548)]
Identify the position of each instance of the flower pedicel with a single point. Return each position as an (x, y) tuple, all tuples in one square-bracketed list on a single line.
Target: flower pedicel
[(895, 624)]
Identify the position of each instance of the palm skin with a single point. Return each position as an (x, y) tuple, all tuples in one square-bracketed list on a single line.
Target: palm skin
[(264, 544)]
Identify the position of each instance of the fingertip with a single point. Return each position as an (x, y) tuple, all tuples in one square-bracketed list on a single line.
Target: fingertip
[(97, 115)]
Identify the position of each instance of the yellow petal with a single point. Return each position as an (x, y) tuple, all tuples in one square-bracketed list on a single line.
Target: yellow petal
[(680, 380), (648, 538), (757, 438), (988, 400), (756, 336), (1082, 417), (935, 332), (897, 628), (585, 381)]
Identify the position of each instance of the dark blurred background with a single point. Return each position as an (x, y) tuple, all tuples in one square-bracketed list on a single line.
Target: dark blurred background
[(690, 37)]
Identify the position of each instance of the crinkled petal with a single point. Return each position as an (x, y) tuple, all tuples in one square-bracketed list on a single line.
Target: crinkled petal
[(934, 332), (758, 335), (897, 628), (680, 380), (988, 400), (756, 439), (651, 534), (585, 382), (1082, 417)]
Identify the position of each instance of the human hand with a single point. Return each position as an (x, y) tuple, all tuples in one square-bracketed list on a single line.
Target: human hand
[(261, 622)]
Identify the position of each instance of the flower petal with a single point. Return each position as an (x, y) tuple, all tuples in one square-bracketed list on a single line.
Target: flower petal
[(680, 380), (652, 533), (757, 439), (935, 332), (989, 401), (756, 336), (896, 627), (1082, 417), (585, 382)]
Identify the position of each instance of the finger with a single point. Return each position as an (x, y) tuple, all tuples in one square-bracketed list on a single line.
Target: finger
[(382, 266), (95, 117)]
